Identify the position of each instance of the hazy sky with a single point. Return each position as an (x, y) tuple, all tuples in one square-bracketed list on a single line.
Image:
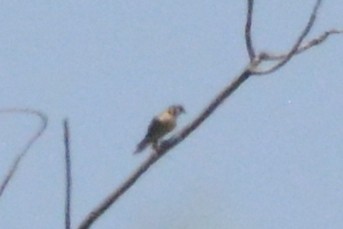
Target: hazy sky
[(270, 157)]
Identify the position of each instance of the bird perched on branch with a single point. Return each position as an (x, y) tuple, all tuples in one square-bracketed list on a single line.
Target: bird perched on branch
[(160, 126)]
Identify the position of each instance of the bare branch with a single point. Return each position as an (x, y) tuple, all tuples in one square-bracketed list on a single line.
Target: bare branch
[(220, 98), (167, 145), (297, 43), (68, 173), (312, 43), (103, 206), (248, 40), (44, 122), (164, 148)]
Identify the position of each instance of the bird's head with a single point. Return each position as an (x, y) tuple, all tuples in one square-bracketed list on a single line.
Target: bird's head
[(176, 110)]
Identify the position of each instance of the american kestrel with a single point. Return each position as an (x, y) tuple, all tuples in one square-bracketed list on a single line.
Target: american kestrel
[(160, 126)]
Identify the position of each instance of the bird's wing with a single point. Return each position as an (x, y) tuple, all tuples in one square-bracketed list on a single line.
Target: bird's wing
[(154, 129), (151, 135)]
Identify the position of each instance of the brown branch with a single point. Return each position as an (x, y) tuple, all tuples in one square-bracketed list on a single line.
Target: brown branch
[(103, 206), (163, 149), (296, 45), (167, 145), (18, 159), (68, 173), (312, 43), (248, 41)]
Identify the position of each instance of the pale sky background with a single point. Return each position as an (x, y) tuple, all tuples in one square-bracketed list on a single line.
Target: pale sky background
[(270, 157)]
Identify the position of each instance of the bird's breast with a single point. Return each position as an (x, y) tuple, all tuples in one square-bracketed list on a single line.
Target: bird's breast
[(168, 122)]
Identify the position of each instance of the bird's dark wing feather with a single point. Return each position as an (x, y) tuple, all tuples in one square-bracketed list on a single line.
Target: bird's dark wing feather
[(154, 127), (150, 136)]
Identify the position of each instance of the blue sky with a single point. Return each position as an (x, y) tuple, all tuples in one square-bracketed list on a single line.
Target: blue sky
[(270, 157)]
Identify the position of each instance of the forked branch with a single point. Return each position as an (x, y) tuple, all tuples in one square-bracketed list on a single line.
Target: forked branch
[(296, 45), (310, 44), (250, 70)]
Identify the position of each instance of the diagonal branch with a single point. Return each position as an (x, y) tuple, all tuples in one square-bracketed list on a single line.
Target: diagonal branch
[(164, 148), (297, 44), (108, 201), (44, 122), (248, 40)]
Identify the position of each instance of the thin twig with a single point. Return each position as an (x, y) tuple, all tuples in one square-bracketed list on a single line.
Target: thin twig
[(296, 44), (68, 173), (248, 40), (312, 43), (163, 149), (44, 122)]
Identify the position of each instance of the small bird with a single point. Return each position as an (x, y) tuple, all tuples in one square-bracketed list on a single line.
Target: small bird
[(160, 126)]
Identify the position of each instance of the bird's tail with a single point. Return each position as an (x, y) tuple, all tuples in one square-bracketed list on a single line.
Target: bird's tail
[(142, 145)]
